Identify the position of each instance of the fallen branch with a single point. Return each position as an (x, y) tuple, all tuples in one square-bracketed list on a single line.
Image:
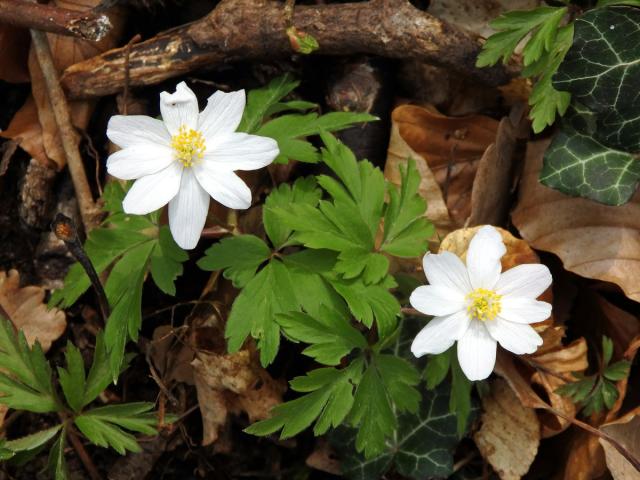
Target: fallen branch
[(88, 211), (255, 29), (86, 25)]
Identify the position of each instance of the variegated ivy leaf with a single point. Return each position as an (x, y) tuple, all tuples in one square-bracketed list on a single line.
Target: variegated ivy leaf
[(576, 164)]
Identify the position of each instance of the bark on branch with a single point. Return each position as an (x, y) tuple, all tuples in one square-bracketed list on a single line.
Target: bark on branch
[(255, 29), (24, 13)]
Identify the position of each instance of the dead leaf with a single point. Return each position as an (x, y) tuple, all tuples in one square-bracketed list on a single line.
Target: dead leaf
[(65, 51), (232, 384), (25, 308), (324, 458), (585, 459), (510, 432), (447, 147), (592, 240), (626, 431)]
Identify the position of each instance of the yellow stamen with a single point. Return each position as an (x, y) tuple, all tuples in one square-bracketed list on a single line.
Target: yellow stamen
[(189, 146), (483, 304)]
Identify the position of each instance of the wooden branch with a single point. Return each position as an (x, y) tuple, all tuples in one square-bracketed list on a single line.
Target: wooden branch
[(24, 13), (255, 29)]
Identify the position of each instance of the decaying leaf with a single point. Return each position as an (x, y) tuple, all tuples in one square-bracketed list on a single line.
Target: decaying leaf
[(45, 146), (592, 240), (447, 150), (26, 309), (626, 431), (510, 432)]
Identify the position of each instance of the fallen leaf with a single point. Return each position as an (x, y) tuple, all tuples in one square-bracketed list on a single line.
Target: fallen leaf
[(510, 433), (324, 458), (626, 431), (585, 457), (65, 51), (447, 150), (25, 308), (591, 239)]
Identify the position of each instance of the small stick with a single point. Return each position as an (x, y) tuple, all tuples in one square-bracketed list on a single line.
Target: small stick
[(83, 455), (65, 230), (86, 25), (88, 209), (127, 68)]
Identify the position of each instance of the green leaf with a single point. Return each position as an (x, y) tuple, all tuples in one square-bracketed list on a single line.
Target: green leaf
[(240, 256), (386, 385), (422, 446), (328, 400), (261, 102), (617, 371), (513, 27), (33, 441), (602, 71), (266, 295), (72, 379), (406, 230), (304, 191), (25, 378), (604, 3), (460, 400), (57, 463), (288, 130), (166, 261), (437, 368), (105, 426), (578, 165), (99, 377), (330, 335), (609, 394), (607, 350)]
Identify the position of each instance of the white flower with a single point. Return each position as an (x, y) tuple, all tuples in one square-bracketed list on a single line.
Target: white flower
[(187, 157), (478, 306)]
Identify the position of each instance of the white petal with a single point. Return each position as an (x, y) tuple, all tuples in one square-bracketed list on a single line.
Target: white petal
[(437, 300), (224, 186), (515, 337), (483, 257), (179, 108), (139, 160), (446, 269), (528, 280), (129, 130), (222, 114), (153, 191), (477, 352), (188, 211), (524, 310), (439, 334), (241, 151)]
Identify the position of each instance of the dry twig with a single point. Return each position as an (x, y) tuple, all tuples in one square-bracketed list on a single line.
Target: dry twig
[(255, 29), (86, 25)]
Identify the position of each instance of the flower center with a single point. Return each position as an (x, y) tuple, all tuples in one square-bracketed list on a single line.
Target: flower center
[(483, 304), (188, 145)]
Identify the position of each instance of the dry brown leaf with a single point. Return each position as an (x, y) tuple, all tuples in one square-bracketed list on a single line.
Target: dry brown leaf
[(231, 384), (510, 432), (324, 458), (447, 150), (27, 311), (585, 460), (626, 431), (592, 240), (65, 51)]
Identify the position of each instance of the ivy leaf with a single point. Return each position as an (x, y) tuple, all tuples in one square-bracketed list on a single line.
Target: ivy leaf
[(578, 165), (328, 400), (406, 230), (106, 426), (25, 378), (602, 72), (239, 256), (422, 446), (330, 335)]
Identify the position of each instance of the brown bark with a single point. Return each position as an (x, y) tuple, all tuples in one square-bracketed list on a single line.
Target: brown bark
[(24, 13), (255, 29)]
